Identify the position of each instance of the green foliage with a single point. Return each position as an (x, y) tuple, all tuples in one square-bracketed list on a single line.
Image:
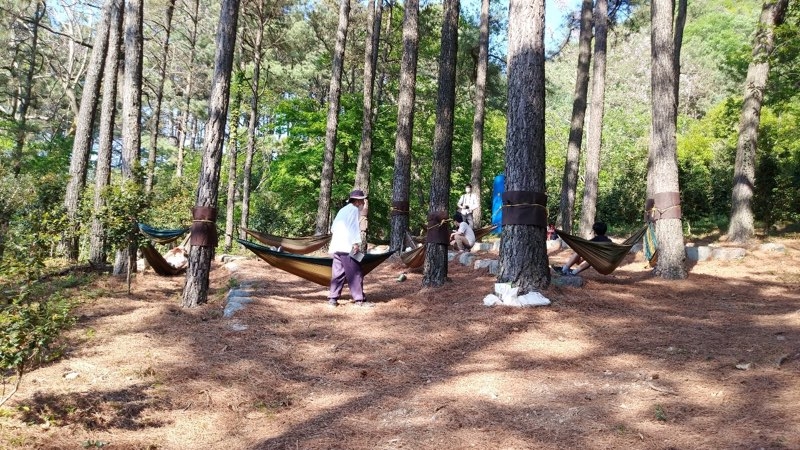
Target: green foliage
[(124, 203), (28, 330)]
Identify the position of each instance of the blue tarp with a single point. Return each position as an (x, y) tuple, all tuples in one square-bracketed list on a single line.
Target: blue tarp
[(498, 188)]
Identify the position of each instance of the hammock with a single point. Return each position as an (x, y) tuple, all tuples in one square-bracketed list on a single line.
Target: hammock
[(603, 256), (416, 257), (300, 245), (161, 236), (153, 257), (314, 269)]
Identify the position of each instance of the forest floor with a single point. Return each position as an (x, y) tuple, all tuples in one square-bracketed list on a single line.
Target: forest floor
[(626, 361)]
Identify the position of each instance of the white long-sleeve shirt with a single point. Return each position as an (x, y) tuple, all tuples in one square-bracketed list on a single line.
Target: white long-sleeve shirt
[(345, 230)]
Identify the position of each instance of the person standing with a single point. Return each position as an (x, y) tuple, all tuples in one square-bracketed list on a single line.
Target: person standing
[(345, 248), (467, 204)]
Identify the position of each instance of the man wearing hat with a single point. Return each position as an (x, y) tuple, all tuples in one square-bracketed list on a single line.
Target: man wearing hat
[(345, 248)]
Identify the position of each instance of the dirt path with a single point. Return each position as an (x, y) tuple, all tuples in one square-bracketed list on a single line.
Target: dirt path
[(627, 361)]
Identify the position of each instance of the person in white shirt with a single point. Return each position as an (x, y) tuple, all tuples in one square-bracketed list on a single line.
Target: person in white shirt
[(463, 238), (345, 248), (467, 204)]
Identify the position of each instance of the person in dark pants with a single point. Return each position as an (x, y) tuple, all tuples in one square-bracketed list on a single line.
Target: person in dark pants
[(345, 248), (599, 229)]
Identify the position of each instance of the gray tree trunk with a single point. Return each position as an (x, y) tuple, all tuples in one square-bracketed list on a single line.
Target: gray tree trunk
[(255, 87), (131, 116), (663, 173), (334, 94), (187, 101), (523, 255), (108, 110), (82, 144), (364, 164), (569, 182), (435, 269), (156, 119), (594, 133), (742, 225), (401, 180), (233, 153), (195, 291), (480, 109)]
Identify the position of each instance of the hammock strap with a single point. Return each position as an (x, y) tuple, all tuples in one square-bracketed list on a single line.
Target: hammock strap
[(525, 208), (204, 229), (399, 208), (663, 205), (438, 229)]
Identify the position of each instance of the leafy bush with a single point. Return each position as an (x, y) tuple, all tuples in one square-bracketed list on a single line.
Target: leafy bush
[(28, 331)]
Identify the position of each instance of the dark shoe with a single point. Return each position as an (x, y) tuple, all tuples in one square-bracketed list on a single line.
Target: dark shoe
[(365, 304), (557, 268), (333, 303)]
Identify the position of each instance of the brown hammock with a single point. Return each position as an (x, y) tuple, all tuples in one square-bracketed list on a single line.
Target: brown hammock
[(300, 245), (314, 269), (159, 263), (416, 257), (603, 256)]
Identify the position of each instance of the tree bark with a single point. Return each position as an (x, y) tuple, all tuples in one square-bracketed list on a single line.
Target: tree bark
[(195, 291), (82, 144), (255, 88), (742, 227), (523, 254), (401, 180), (184, 124), (233, 153), (334, 94), (108, 109), (435, 270), (156, 119), (480, 109), (364, 164), (594, 133), (569, 182), (663, 173), (131, 117)]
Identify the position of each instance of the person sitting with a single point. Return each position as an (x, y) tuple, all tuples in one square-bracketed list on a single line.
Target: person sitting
[(177, 258), (463, 238), (599, 229)]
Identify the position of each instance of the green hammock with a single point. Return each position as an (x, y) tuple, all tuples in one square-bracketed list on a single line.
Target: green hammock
[(314, 269), (300, 245), (161, 236), (603, 256), (151, 254)]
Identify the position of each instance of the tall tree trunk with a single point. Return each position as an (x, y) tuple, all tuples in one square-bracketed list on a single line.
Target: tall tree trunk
[(741, 225), (594, 133), (195, 291), (82, 144), (663, 173), (677, 43), (187, 100), (25, 94), (523, 255), (334, 94), (387, 47), (569, 182), (364, 163), (480, 109), (401, 180), (233, 152), (156, 119), (131, 117), (108, 109), (435, 271), (255, 88)]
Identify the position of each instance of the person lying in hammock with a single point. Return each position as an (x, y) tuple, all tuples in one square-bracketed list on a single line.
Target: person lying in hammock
[(177, 258), (599, 229)]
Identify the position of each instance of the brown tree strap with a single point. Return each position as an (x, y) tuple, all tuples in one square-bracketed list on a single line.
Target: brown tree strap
[(663, 205), (204, 226), (524, 208), (438, 230), (399, 208)]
